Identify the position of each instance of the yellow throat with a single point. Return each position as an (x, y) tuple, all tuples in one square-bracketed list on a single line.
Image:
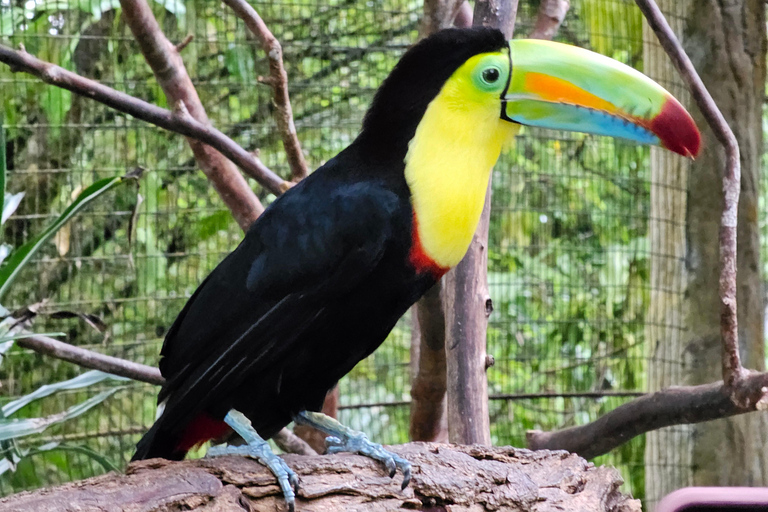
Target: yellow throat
[(449, 162)]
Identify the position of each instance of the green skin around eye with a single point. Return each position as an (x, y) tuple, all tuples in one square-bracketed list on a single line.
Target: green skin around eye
[(496, 62)]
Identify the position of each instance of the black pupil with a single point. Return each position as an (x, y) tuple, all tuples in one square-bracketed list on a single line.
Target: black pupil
[(490, 75)]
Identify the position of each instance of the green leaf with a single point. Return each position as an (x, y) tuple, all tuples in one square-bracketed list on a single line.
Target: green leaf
[(14, 428), (10, 203), (176, 7), (7, 464), (3, 170), (12, 337), (56, 102), (23, 254), (5, 346), (81, 381)]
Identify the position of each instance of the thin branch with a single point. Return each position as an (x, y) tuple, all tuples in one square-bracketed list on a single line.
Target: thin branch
[(278, 80), (732, 369), (285, 439), (176, 122), (549, 18), (90, 359), (171, 74), (671, 406)]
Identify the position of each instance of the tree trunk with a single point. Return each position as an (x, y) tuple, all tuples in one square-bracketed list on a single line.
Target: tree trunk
[(468, 306), (727, 44), (455, 478), (667, 451), (467, 303), (429, 421)]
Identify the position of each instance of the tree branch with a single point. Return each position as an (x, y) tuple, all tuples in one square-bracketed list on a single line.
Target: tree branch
[(90, 359), (177, 122), (278, 80), (549, 18), (671, 406), (170, 72), (445, 477), (285, 439), (732, 369)]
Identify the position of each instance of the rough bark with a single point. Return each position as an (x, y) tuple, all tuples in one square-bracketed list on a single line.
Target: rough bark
[(468, 306), (429, 421), (446, 478), (549, 18), (438, 14), (726, 41), (667, 451)]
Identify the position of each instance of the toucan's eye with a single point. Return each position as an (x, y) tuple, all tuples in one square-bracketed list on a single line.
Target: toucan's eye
[(491, 75)]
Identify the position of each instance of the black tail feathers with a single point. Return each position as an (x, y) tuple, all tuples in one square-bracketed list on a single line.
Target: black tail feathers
[(158, 443)]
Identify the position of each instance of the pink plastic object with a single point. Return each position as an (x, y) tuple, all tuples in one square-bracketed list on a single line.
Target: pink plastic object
[(710, 499)]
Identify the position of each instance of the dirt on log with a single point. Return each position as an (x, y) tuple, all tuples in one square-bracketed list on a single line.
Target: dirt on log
[(446, 478)]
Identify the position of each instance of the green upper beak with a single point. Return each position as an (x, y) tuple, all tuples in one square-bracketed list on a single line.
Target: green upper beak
[(564, 87)]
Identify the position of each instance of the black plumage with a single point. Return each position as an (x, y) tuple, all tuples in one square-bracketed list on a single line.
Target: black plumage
[(319, 280)]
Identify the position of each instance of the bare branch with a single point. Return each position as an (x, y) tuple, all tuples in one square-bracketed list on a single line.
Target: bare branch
[(732, 369), (90, 359), (550, 17), (440, 14), (184, 125), (166, 63), (671, 406), (279, 83), (285, 439)]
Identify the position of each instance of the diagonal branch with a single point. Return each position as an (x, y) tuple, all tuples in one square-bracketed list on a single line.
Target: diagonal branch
[(732, 369), (170, 72), (285, 439), (278, 80), (179, 122), (671, 406)]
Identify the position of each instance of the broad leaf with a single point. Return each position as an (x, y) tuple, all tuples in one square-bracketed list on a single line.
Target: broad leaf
[(23, 254), (10, 464), (81, 381), (10, 203), (14, 428)]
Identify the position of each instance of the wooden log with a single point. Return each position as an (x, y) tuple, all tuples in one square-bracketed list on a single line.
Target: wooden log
[(446, 478)]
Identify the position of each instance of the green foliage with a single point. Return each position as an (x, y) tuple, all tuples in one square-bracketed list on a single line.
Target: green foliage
[(21, 256), (13, 429)]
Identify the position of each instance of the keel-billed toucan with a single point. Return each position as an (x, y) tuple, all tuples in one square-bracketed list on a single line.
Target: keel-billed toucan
[(323, 275)]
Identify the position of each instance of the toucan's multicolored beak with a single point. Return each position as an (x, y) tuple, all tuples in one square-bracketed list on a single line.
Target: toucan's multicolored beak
[(564, 87)]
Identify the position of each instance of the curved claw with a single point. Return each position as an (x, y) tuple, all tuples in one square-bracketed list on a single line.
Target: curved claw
[(287, 479), (361, 444)]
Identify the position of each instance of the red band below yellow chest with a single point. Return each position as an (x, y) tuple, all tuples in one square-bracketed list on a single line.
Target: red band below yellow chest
[(418, 257)]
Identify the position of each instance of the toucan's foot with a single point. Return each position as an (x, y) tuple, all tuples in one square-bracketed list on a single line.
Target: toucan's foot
[(344, 439), (359, 443), (257, 448)]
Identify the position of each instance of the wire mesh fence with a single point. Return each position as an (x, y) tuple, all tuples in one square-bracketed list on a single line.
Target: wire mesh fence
[(569, 252)]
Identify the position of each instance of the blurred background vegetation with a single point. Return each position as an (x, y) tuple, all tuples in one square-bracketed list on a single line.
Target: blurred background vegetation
[(569, 258)]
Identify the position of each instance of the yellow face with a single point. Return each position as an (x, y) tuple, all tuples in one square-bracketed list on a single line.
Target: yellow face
[(451, 155)]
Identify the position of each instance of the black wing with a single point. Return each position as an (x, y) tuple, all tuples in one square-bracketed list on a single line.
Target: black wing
[(316, 242)]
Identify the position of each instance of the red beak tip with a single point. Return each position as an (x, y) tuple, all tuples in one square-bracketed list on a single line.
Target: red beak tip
[(676, 130)]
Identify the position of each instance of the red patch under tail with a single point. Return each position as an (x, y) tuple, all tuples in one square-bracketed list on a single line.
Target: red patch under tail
[(203, 428)]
